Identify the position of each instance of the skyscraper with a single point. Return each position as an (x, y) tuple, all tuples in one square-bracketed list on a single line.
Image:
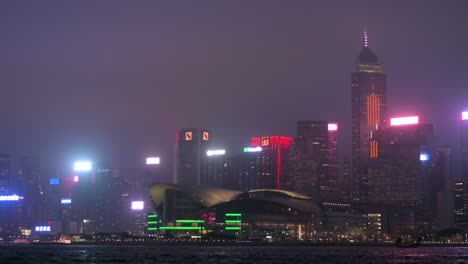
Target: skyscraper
[(402, 171), (369, 85), (192, 144), (5, 169), (464, 145), (266, 164), (315, 159)]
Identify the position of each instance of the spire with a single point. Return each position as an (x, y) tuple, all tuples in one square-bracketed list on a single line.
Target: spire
[(365, 38)]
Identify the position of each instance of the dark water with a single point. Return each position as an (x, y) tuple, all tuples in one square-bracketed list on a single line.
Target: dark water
[(221, 254)]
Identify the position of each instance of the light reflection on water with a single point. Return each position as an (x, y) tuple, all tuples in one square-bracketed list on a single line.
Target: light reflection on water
[(222, 254)]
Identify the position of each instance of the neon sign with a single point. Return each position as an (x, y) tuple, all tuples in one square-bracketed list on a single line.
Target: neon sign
[(250, 149)]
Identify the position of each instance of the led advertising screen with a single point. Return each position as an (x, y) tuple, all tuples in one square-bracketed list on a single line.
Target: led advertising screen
[(152, 160), (332, 126), (216, 152), (252, 149), (82, 166), (66, 201), (138, 205), (423, 157), (465, 115), (401, 121), (13, 197), (54, 181), (42, 229)]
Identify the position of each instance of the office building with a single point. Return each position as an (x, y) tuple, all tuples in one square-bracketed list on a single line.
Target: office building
[(369, 88), (191, 148), (315, 159), (266, 164), (403, 172)]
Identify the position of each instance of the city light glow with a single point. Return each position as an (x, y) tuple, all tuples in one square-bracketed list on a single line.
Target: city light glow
[(138, 205), (66, 201), (13, 197), (76, 178), (152, 160), (423, 157), (465, 115), (42, 228), (216, 152), (401, 121), (251, 149), (332, 126), (82, 166)]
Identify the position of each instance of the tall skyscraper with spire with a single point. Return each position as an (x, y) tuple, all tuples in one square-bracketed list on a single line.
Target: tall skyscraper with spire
[(369, 87)]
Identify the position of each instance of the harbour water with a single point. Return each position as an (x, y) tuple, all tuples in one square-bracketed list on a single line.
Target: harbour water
[(227, 254)]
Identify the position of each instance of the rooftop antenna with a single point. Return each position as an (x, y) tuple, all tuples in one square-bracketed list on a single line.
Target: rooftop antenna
[(365, 38)]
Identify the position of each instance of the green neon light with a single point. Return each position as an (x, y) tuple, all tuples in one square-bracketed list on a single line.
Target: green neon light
[(233, 214), (232, 228), (152, 228), (190, 221), (152, 222), (180, 228), (152, 216), (233, 221)]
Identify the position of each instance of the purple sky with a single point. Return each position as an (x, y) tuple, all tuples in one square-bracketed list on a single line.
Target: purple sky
[(116, 79)]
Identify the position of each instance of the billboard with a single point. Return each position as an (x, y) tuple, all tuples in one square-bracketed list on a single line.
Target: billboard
[(82, 166), (465, 115), (152, 160), (332, 126), (401, 121), (54, 181), (138, 205), (42, 229), (423, 157), (252, 149), (13, 197), (66, 201), (216, 152)]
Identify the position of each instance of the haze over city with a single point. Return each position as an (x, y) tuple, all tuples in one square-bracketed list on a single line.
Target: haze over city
[(115, 80)]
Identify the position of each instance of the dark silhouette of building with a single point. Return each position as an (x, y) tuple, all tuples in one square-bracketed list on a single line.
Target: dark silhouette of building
[(267, 166), (191, 148), (315, 166), (369, 88), (5, 169), (464, 145)]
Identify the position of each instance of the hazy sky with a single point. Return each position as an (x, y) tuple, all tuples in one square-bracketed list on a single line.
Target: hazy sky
[(116, 79)]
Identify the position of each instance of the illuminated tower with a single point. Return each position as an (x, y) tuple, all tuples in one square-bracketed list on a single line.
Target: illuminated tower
[(315, 159), (369, 85), (191, 148)]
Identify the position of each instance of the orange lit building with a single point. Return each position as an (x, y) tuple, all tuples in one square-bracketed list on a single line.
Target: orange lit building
[(369, 85)]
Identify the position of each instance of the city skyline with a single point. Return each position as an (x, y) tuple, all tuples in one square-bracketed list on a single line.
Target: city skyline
[(256, 58)]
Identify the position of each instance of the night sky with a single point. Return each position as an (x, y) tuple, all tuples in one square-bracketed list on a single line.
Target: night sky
[(114, 80)]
